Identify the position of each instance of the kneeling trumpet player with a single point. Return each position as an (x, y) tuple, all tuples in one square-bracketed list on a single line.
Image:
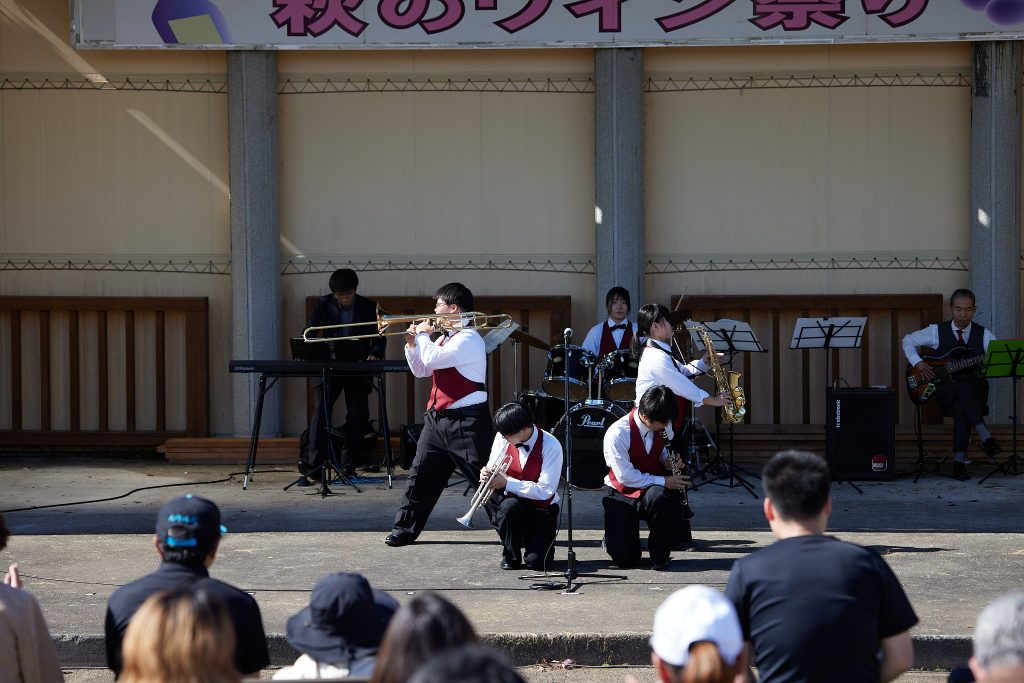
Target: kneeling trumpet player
[(527, 516)]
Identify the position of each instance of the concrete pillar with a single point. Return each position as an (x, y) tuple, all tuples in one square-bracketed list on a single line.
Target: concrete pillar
[(619, 173), (995, 197), (255, 229)]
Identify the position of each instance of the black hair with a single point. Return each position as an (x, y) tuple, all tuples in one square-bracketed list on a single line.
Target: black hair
[(659, 404), (456, 293), (797, 482), (620, 292), (963, 293), (344, 280), (190, 556), (511, 418), (4, 533), (645, 317), (468, 663)]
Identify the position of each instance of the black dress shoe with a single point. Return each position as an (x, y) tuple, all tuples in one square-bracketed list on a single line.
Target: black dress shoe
[(398, 540), (510, 564), (991, 447), (960, 471), (660, 565)]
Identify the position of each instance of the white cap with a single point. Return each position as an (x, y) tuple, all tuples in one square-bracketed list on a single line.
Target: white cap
[(692, 615)]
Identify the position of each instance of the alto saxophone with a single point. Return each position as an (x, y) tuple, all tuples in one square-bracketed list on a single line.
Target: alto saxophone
[(724, 381), (679, 466)]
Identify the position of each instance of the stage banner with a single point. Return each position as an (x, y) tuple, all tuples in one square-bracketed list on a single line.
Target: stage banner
[(398, 24)]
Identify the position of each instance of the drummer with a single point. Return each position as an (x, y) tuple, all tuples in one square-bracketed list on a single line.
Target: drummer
[(615, 333)]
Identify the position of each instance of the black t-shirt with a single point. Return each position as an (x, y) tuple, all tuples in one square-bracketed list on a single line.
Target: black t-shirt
[(816, 609), (251, 652)]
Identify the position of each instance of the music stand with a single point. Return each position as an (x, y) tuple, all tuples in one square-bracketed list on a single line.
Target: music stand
[(729, 337), (829, 333), (1005, 358)]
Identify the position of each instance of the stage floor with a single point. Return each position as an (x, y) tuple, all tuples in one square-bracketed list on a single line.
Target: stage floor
[(954, 545)]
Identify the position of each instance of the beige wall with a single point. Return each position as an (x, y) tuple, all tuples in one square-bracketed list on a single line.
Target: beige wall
[(433, 175)]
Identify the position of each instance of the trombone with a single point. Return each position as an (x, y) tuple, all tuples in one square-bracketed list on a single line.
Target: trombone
[(447, 323)]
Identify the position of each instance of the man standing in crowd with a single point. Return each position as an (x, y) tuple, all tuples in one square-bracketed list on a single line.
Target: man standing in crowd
[(188, 532), (812, 607), (966, 399), (343, 307), (457, 429)]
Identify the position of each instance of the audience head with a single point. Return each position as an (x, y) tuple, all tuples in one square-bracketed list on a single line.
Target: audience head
[(999, 640), (797, 485), (617, 295), (344, 621), (658, 404), (188, 530), (422, 627), (469, 663), (182, 635), (344, 280), (4, 533), (512, 418), (456, 293), (697, 638)]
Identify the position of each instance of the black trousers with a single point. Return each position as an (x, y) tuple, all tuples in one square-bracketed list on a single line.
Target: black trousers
[(357, 422), (524, 526), (657, 506), (967, 402), (451, 440)]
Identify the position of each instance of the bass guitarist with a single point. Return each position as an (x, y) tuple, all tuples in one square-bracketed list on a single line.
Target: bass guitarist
[(965, 395)]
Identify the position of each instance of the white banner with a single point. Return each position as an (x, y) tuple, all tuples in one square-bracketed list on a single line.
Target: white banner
[(366, 24)]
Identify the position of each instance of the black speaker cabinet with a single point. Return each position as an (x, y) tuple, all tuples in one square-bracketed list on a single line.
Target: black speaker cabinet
[(859, 433), (409, 436)]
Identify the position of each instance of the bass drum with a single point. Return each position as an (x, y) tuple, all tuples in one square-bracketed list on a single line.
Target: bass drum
[(547, 410), (588, 422)]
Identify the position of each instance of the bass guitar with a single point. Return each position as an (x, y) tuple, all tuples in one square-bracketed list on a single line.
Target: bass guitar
[(950, 367)]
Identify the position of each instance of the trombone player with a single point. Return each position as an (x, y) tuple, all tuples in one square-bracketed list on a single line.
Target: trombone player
[(527, 515), (457, 428), (343, 306)]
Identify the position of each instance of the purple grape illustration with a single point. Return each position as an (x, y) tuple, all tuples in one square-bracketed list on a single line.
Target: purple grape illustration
[(1005, 12)]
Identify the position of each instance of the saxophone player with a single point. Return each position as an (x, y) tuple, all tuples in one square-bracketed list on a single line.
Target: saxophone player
[(527, 515), (658, 366)]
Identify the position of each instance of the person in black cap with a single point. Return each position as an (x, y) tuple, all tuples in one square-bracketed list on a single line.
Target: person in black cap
[(188, 532), (340, 630)]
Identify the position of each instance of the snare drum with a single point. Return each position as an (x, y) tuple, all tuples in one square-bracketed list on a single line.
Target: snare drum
[(620, 376), (577, 368), (589, 421), (546, 409)]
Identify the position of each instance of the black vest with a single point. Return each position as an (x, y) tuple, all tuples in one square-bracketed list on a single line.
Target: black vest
[(948, 341)]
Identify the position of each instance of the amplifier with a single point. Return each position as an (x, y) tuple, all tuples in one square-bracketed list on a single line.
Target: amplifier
[(409, 436), (859, 433)]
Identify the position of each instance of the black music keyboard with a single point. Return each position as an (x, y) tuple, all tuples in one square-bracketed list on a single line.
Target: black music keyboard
[(315, 368)]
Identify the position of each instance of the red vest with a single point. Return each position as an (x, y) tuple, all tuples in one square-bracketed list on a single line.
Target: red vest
[(646, 462), (608, 342), (448, 386), (531, 472), (681, 403)]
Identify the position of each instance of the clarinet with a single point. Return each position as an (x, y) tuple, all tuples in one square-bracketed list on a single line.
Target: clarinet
[(679, 466)]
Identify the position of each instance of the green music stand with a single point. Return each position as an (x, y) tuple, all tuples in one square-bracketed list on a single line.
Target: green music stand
[(1005, 358)]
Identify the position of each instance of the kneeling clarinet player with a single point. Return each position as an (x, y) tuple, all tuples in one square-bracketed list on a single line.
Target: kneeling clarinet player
[(640, 484), (527, 516)]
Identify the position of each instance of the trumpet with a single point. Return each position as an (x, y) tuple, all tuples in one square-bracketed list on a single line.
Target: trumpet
[(484, 492), (679, 467), (447, 323)]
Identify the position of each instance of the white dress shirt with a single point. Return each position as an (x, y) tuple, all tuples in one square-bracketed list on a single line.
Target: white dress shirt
[(929, 336), (616, 454), (657, 368), (546, 485), (464, 351), (592, 342)]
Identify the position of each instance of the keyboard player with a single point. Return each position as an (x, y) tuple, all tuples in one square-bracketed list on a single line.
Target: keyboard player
[(343, 306)]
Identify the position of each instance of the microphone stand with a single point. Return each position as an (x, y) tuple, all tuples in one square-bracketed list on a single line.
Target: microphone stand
[(570, 570)]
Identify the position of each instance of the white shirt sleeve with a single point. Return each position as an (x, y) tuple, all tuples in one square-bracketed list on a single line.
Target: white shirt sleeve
[(990, 336), (592, 342), (928, 336), (463, 350), (616, 456), (546, 485), (657, 368)]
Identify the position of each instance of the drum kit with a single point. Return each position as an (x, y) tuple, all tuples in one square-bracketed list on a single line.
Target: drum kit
[(588, 378)]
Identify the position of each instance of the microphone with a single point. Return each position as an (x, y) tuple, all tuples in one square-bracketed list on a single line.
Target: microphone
[(567, 333)]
